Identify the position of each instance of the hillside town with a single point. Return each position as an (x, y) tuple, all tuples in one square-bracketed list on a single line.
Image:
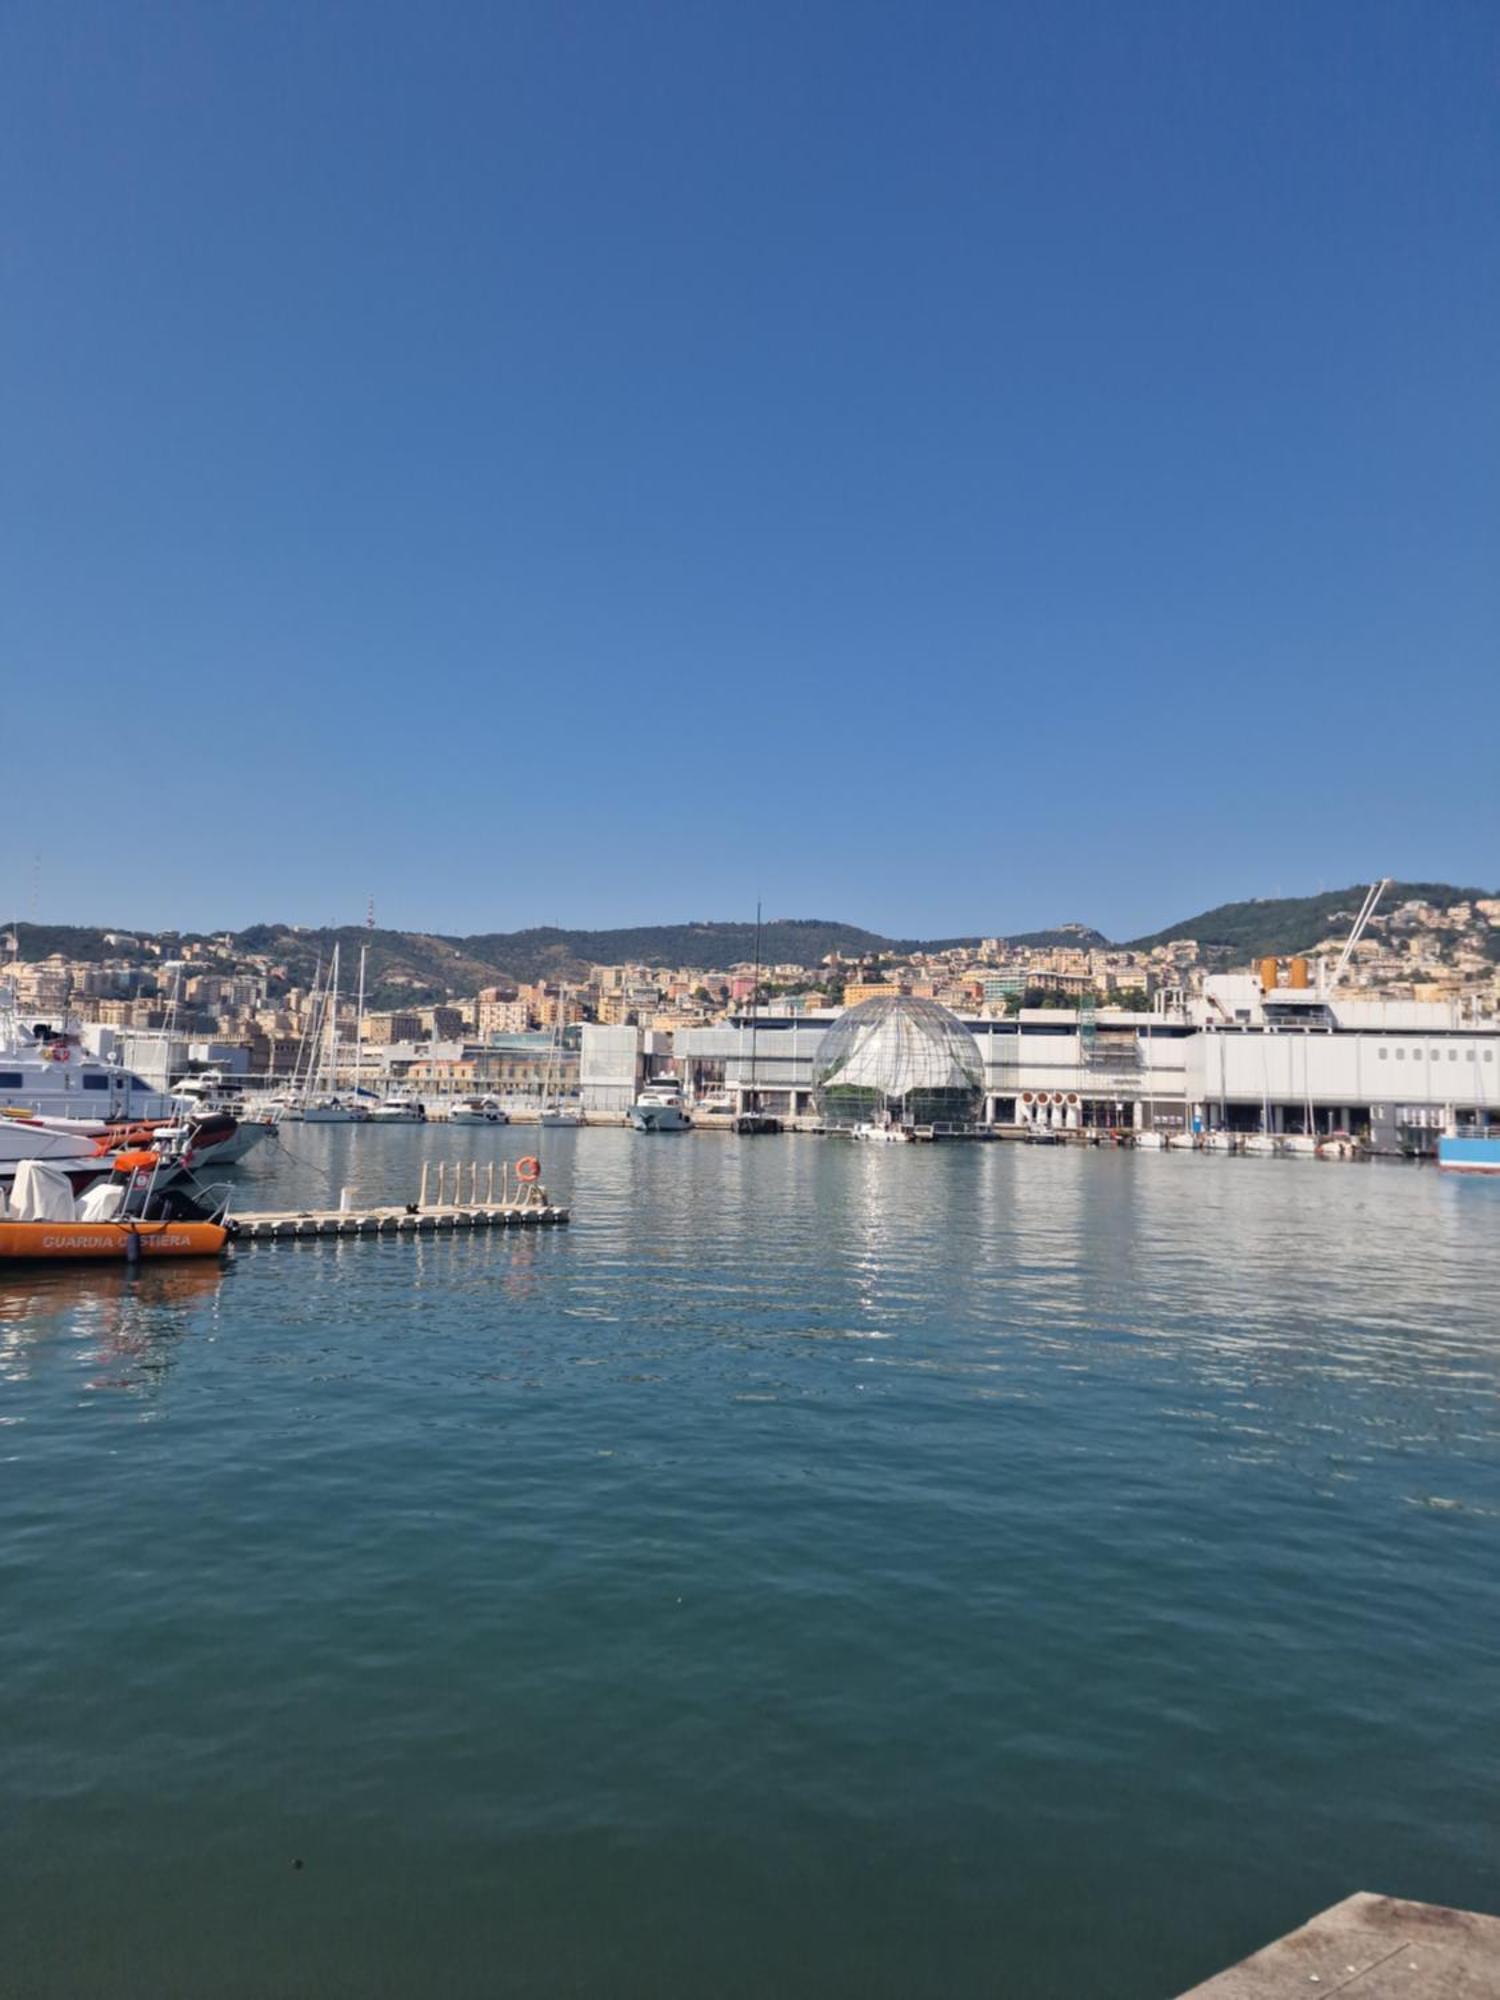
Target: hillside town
[(169, 1004)]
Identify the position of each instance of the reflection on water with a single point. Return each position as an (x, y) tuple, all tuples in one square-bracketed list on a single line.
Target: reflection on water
[(120, 1321), (820, 1569)]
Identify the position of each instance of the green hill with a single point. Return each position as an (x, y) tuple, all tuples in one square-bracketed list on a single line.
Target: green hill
[(711, 947), (418, 968), (1262, 927)]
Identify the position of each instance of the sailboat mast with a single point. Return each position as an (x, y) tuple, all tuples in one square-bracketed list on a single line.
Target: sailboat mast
[(359, 1023), (332, 1048), (755, 1017)]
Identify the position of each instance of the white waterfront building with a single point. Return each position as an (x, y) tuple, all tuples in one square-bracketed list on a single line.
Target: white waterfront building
[(1240, 1059)]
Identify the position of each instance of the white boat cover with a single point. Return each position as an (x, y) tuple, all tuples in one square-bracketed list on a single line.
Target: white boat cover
[(41, 1194), (101, 1203)]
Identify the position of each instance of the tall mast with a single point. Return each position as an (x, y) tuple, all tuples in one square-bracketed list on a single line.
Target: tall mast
[(333, 1024), (755, 1014), (359, 1023)]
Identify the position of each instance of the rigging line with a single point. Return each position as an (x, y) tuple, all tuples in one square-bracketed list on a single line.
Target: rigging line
[(301, 1159)]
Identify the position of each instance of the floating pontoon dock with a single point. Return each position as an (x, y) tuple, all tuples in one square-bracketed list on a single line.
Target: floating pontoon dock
[(453, 1198)]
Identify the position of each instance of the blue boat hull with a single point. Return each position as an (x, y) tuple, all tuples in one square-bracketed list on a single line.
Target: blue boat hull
[(1470, 1156)]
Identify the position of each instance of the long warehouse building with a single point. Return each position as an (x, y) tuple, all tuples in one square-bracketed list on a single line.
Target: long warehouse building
[(1241, 1058)]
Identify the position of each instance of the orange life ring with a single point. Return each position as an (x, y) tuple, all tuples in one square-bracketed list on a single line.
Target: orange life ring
[(59, 1052), (528, 1168)]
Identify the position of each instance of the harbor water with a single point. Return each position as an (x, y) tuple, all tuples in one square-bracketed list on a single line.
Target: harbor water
[(821, 1570)]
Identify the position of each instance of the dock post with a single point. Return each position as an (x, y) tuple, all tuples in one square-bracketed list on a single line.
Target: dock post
[(422, 1196), (442, 1182), (489, 1190)]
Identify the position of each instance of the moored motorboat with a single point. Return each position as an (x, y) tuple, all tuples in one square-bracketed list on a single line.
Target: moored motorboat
[(129, 1220), (659, 1108), (398, 1109), (225, 1123), (479, 1111), (333, 1111), (1340, 1146)]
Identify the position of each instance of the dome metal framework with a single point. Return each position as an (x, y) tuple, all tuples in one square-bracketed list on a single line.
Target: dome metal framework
[(898, 1060)]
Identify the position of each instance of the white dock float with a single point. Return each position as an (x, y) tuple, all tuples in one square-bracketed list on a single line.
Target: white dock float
[(304, 1224), (522, 1204)]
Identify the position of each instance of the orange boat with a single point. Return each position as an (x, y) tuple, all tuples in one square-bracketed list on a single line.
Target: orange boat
[(124, 1222), (126, 1241)]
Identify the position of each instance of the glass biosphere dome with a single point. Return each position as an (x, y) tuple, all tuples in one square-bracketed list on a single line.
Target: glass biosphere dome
[(901, 1061)]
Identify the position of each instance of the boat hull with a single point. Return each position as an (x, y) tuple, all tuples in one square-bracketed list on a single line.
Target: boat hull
[(227, 1152), (1469, 1156), (97, 1242), (660, 1118)]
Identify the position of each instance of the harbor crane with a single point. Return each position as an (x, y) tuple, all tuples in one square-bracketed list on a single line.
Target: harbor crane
[(1361, 925)]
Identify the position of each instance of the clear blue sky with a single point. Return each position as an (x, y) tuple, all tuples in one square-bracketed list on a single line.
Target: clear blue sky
[(947, 467)]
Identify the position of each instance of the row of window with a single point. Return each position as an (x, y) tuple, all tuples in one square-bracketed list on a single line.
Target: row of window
[(1435, 1055), (15, 1079)]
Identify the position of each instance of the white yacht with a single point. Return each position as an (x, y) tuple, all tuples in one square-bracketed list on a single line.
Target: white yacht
[(332, 1111), (227, 1127), (559, 1114), (479, 1111), (880, 1135), (399, 1109), (46, 1070), (659, 1108)]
